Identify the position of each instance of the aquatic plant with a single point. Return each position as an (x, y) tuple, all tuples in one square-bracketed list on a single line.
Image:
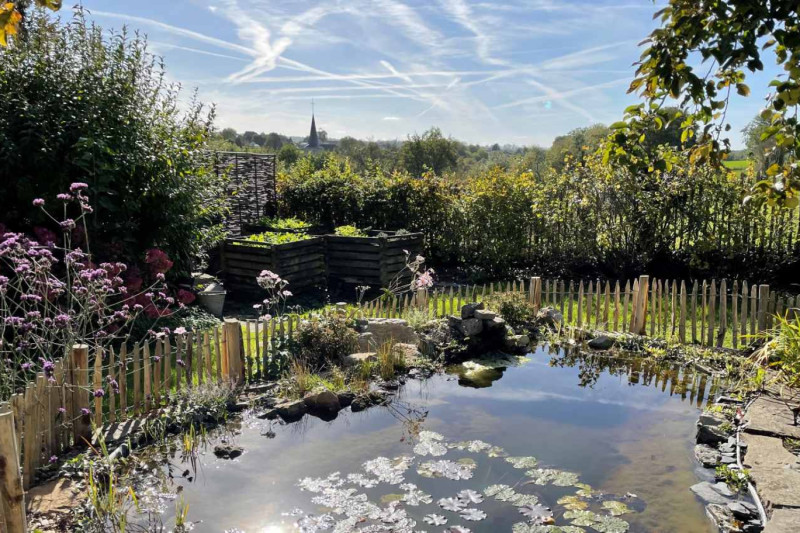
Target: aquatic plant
[(514, 307), (326, 341), (735, 478), (351, 510)]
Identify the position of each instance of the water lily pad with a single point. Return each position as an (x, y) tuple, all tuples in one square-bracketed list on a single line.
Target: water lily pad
[(362, 481), (388, 498), (435, 519), (446, 469), (616, 508), (545, 476), (470, 496), (519, 500), (457, 529), (474, 446), (451, 504), (537, 513), (312, 524), (502, 493), (430, 447), (496, 451), (585, 491), (388, 470), (522, 462), (601, 523), (573, 502), (523, 527), (473, 515)]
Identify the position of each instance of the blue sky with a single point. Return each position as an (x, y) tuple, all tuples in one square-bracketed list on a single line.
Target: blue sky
[(518, 71)]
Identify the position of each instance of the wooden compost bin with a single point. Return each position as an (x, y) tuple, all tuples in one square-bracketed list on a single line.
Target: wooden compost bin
[(373, 260), (302, 263)]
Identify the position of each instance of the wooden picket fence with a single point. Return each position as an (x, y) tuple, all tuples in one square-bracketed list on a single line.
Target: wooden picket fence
[(709, 312)]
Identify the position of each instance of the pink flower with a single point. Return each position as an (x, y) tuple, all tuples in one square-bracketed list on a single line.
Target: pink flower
[(158, 261), (180, 330), (78, 186), (38, 202), (186, 297)]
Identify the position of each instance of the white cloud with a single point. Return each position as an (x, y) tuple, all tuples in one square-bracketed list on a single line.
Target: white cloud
[(391, 118)]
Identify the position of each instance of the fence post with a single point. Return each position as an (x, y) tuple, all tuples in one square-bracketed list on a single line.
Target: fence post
[(536, 289), (763, 301), (80, 393), (233, 338), (641, 305), (13, 496)]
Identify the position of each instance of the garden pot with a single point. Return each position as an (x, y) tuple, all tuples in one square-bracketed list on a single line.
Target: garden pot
[(213, 300)]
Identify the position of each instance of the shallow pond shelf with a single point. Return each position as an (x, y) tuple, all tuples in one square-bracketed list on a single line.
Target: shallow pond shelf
[(302, 263), (374, 260)]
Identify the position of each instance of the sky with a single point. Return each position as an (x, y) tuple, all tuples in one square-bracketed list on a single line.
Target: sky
[(514, 72)]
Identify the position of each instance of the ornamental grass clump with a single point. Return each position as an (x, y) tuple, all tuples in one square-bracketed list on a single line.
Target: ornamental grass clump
[(54, 295)]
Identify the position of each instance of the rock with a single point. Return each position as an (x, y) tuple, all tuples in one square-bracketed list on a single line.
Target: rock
[(391, 330), (261, 388), (471, 327), (706, 455), (549, 317), (495, 323), (728, 460), (291, 410), (228, 451), (409, 353), (265, 401), (708, 419), (360, 403), (346, 398), (322, 402), (601, 342), (722, 518), (59, 495), (709, 494), (723, 489), (366, 342), (238, 407), (468, 310), (743, 510), (269, 414), (711, 435), (521, 341), (391, 385), (485, 314), (355, 359)]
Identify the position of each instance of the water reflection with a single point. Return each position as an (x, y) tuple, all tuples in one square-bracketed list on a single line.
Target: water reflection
[(626, 427)]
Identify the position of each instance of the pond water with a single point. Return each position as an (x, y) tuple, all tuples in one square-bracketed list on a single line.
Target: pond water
[(622, 426)]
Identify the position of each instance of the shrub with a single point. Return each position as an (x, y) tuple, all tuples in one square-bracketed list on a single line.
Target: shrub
[(271, 237), (350, 231), (513, 307), (324, 342), (80, 105)]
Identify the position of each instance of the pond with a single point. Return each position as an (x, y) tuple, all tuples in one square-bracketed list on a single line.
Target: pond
[(621, 426)]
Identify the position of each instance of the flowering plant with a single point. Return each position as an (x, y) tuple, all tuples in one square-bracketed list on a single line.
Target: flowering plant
[(54, 296), (277, 294)]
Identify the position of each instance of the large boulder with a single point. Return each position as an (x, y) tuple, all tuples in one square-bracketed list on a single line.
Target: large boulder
[(392, 330), (322, 402), (468, 310), (707, 456), (484, 314), (291, 410), (496, 323), (470, 327)]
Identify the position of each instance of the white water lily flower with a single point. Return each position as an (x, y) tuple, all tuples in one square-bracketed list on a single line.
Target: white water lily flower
[(435, 519), (473, 515)]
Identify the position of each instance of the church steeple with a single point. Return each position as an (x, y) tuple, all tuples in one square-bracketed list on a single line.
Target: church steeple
[(313, 138)]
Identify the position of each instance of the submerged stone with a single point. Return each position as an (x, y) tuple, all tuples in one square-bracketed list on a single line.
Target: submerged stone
[(601, 342), (228, 451), (292, 410)]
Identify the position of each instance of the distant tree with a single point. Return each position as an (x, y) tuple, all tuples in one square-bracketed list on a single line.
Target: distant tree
[(323, 135), (534, 160), (429, 151), (275, 141), (762, 149), (289, 154), (229, 134), (577, 143)]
